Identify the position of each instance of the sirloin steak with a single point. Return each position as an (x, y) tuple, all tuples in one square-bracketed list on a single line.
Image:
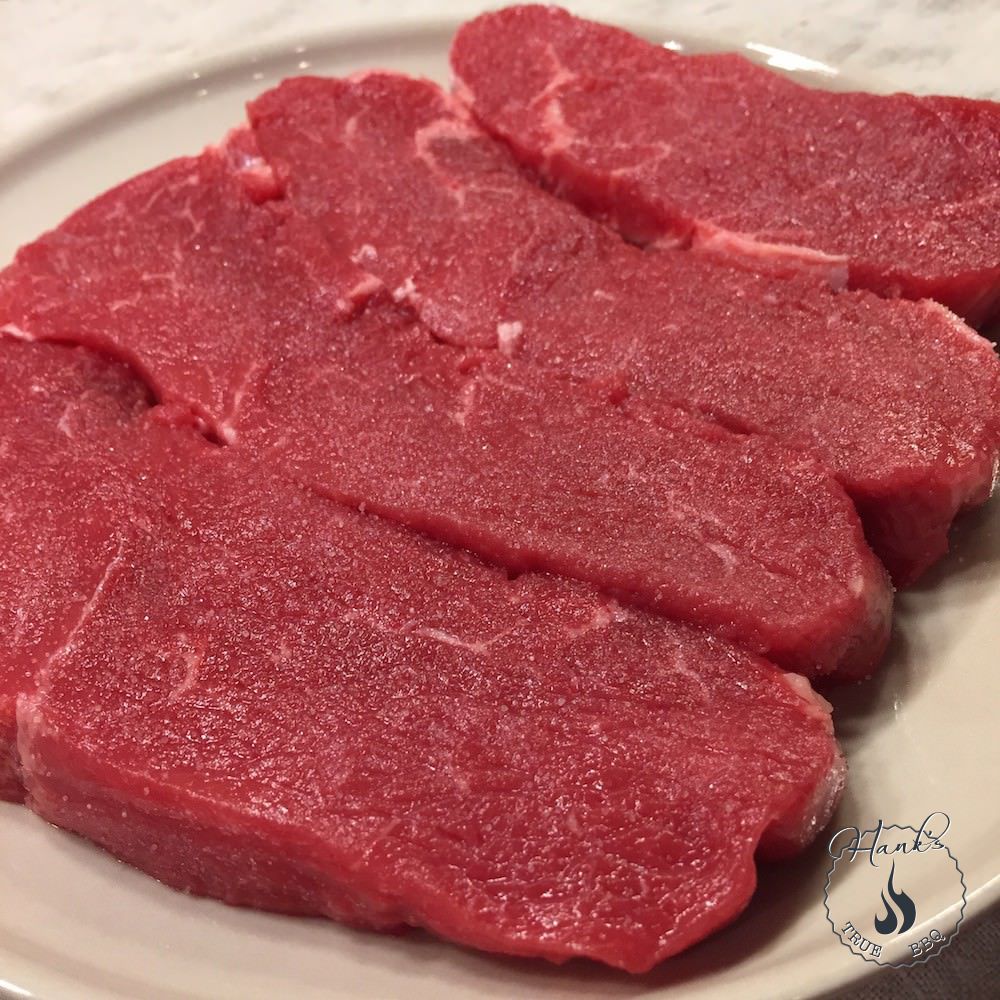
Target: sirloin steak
[(288, 705), (899, 399), (898, 194), (240, 312), (65, 422)]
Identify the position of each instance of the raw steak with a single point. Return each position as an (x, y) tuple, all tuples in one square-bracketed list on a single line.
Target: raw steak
[(681, 517), (895, 193), (900, 399), (65, 418), (287, 705), (242, 315), (165, 284)]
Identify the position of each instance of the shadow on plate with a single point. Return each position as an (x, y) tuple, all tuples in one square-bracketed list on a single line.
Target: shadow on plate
[(857, 707), (973, 552)]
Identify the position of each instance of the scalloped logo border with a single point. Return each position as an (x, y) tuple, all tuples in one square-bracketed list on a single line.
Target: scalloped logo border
[(924, 957)]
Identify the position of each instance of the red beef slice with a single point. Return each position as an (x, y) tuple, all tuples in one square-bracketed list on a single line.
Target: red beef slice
[(288, 705), (895, 193)]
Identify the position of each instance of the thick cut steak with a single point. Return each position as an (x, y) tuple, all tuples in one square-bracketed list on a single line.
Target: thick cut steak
[(242, 314), (285, 704), (65, 422), (895, 193), (900, 399)]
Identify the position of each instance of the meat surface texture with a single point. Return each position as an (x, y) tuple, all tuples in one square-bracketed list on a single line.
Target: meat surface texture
[(288, 705), (899, 399), (280, 345), (65, 417), (898, 194), (134, 259)]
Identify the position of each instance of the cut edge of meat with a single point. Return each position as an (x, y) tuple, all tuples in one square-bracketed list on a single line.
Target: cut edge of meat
[(91, 376), (841, 648), (917, 534), (11, 787), (791, 834), (61, 789), (973, 298), (925, 520), (114, 353), (855, 657)]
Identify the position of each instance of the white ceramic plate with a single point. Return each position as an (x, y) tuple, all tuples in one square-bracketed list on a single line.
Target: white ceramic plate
[(920, 737)]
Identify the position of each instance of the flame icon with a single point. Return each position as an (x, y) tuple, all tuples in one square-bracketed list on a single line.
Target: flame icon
[(907, 909)]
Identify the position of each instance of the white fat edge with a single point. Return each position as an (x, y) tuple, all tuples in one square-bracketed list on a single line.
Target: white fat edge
[(192, 660), (17, 332), (65, 426), (817, 707), (406, 292), (606, 614), (725, 553), (227, 426), (446, 127), (466, 401), (258, 167), (366, 252), (227, 432), (876, 592), (560, 135), (439, 635), (246, 163), (668, 241), (509, 336), (832, 268), (359, 292)]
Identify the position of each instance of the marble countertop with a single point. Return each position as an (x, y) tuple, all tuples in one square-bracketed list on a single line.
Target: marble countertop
[(60, 55)]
